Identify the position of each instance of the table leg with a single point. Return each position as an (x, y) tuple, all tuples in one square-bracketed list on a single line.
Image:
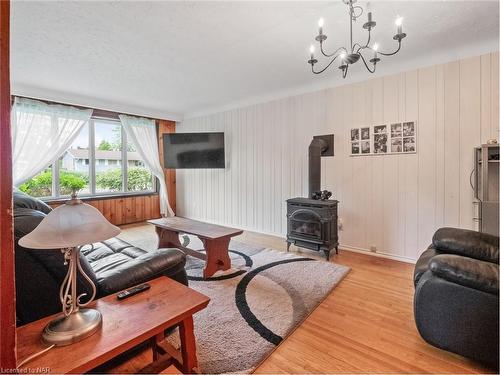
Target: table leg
[(217, 256), (188, 345), (154, 345), (167, 238)]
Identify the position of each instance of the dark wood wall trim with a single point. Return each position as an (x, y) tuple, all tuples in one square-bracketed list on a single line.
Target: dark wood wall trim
[(125, 210), (166, 126), (7, 280)]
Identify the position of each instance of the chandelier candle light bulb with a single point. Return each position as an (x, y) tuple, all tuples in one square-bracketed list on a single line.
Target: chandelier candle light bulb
[(321, 23), (399, 24)]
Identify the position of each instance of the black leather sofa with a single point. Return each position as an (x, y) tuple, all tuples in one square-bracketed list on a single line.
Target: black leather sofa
[(113, 265), (456, 294)]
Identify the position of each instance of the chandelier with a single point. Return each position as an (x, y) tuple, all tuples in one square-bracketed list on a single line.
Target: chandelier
[(355, 51)]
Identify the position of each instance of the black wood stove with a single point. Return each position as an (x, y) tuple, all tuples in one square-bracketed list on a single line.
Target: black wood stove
[(312, 223)]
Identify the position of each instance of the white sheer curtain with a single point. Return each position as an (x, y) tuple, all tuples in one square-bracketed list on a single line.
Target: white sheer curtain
[(41, 133), (142, 133)]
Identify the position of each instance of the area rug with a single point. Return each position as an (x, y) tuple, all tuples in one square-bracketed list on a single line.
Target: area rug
[(255, 304)]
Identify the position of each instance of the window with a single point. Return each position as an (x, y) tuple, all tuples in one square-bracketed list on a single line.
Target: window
[(108, 145), (139, 178), (98, 158), (71, 164), (40, 185)]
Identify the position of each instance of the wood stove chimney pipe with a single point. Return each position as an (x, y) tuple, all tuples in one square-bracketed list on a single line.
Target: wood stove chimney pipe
[(316, 147)]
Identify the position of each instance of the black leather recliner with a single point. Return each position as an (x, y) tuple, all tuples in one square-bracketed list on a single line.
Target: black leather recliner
[(456, 294), (113, 265)]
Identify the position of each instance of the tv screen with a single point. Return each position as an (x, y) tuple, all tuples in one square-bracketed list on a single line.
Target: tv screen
[(193, 150)]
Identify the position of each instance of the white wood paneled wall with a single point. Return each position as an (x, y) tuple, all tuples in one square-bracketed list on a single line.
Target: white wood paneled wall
[(391, 202)]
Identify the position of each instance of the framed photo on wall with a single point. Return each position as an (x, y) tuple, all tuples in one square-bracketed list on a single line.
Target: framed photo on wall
[(384, 139)]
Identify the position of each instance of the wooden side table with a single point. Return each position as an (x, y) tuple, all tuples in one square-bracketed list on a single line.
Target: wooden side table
[(126, 324)]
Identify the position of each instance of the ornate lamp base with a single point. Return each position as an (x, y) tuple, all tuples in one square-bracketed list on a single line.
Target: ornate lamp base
[(67, 330)]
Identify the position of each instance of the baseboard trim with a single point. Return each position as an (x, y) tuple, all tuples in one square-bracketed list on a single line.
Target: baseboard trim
[(379, 254)]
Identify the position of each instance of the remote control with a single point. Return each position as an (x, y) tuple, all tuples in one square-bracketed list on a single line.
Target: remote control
[(134, 290)]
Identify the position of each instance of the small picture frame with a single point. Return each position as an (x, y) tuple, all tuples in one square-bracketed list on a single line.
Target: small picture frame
[(380, 143), (354, 148), (354, 135), (396, 130), (409, 144), (396, 145), (365, 147), (365, 134), (408, 129)]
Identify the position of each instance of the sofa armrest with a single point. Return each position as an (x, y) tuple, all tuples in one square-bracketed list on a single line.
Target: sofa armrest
[(145, 267), (468, 272), (467, 243)]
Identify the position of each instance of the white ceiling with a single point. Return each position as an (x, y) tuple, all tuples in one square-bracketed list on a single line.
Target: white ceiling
[(173, 59)]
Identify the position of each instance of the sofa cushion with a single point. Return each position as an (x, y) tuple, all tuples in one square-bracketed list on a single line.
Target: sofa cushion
[(110, 247), (22, 200), (465, 271), (25, 220), (422, 264), (118, 265), (469, 243), (120, 271)]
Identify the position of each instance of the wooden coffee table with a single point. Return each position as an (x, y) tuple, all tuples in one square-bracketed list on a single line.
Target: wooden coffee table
[(215, 238), (125, 324)]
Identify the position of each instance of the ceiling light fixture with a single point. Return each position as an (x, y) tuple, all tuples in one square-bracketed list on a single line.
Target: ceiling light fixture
[(351, 55)]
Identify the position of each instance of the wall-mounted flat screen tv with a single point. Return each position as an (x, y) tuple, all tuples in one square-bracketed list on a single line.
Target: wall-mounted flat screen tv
[(193, 150)]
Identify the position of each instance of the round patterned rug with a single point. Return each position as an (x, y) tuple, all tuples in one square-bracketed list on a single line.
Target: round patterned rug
[(255, 304)]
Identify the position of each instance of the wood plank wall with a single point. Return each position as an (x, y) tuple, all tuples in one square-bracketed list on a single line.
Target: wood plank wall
[(165, 126), (391, 202), (7, 285), (125, 210)]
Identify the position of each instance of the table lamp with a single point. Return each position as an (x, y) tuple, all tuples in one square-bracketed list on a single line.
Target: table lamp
[(69, 227)]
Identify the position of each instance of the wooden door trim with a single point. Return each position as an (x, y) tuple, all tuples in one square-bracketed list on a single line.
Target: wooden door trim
[(7, 280), (164, 127)]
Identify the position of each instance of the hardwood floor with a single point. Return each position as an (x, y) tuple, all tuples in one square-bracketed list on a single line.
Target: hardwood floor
[(364, 326)]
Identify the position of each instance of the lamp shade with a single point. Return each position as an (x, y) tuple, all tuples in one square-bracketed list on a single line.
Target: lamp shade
[(70, 225)]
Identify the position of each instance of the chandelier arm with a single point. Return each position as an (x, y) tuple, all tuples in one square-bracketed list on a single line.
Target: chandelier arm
[(356, 16), (332, 54), (366, 65), (369, 37), (357, 45), (360, 47), (344, 72), (325, 68), (351, 13), (392, 53)]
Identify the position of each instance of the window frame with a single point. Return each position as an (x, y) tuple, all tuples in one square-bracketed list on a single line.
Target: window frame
[(122, 163)]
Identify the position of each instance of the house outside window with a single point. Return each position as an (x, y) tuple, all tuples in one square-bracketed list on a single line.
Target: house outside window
[(98, 157)]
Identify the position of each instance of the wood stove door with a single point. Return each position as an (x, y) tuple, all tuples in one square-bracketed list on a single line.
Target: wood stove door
[(306, 224)]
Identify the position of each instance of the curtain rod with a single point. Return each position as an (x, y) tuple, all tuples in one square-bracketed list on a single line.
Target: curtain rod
[(96, 112)]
